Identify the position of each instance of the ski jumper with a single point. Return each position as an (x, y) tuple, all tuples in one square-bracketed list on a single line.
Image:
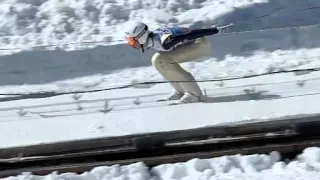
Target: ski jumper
[(178, 45)]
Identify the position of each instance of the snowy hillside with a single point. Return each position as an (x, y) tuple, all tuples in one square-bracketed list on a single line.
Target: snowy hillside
[(31, 22), (24, 121), (248, 53), (73, 75), (41, 22)]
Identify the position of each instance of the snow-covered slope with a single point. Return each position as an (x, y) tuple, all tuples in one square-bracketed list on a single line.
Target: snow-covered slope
[(40, 67), (51, 21), (133, 111), (27, 23), (115, 65), (88, 75), (41, 22)]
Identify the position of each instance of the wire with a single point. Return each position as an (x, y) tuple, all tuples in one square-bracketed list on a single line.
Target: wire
[(290, 12), (45, 94)]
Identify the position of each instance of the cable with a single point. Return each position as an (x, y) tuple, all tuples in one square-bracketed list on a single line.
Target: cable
[(45, 94), (290, 12)]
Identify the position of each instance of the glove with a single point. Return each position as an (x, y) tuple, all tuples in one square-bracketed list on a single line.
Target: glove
[(223, 29)]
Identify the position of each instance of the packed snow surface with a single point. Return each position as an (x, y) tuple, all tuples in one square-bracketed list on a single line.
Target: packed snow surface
[(231, 66), (237, 167), (135, 110)]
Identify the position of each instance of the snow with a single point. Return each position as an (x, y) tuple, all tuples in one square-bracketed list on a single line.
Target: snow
[(42, 22), (212, 68), (67, 23), (131, 111), (245, 167), (55, 45)]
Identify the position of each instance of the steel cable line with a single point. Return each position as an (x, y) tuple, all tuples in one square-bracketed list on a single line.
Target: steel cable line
[(53, 93)]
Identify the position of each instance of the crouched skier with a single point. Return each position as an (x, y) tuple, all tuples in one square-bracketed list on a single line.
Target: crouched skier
[(174, 45)]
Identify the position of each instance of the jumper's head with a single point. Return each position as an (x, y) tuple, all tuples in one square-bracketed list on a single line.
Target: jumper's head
[(137, 35)]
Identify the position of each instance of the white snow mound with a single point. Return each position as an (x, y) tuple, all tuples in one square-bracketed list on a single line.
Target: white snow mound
[(42, 22), (249, 167)]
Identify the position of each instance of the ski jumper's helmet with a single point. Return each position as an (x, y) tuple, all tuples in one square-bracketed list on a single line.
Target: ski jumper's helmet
[(137, 35)]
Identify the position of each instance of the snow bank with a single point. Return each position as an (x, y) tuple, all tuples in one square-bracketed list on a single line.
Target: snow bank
[(251, 167), (137, 171), (26, 23), (41, 22)]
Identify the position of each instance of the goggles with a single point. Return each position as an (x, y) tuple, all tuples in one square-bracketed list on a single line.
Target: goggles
[(133, 42)]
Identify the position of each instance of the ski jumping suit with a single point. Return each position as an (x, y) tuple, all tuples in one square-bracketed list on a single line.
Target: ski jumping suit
[(178, 45)]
